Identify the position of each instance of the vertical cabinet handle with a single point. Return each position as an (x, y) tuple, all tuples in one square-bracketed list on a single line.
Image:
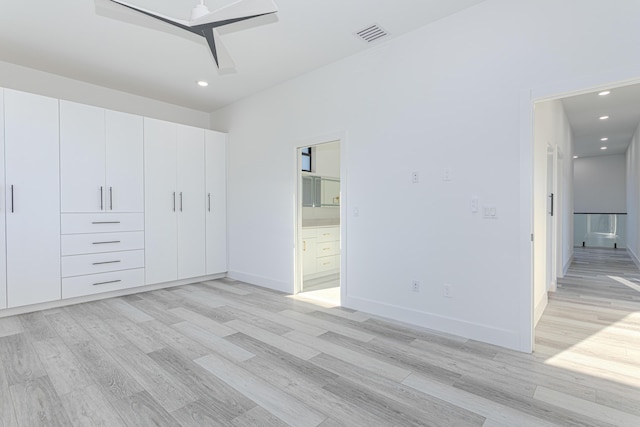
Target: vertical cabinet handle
[(181, 201), (174, 201), (209, 195), (551, 196), (12, 199), (101, 198), (110, 198)]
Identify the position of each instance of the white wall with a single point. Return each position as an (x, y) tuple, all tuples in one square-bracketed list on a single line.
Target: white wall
[(600, 184), (448, 95), (633, 197), (551, 129), (30, 80)]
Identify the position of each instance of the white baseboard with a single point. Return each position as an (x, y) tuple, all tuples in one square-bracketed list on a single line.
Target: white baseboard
[(539, 309), (634, 257), (262, 281), (96, 297), (461, 328), (565, 268)]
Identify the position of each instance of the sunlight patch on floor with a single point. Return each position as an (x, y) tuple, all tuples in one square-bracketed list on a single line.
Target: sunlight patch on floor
[(585, 357), (328, 298)]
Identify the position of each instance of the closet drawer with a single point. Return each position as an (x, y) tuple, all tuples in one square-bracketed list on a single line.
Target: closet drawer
[(102, 223), (328, 234), (104, 282), (325, 249), (79, 244), (327, 263), (78, 265)]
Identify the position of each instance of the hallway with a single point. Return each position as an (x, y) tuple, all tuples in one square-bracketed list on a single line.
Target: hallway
[(591, 329)]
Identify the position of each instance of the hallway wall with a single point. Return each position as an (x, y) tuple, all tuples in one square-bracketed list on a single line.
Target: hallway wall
[(551, 128), (600, 184), (633, 197)]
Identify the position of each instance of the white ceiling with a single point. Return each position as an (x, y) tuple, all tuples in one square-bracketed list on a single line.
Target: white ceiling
[(102, 43), (584, 112)]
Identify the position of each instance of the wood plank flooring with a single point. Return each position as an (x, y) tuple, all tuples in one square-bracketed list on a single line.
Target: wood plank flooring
[(224, 353)]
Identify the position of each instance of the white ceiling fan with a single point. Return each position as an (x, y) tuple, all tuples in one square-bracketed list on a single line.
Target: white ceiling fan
[(204, 23)]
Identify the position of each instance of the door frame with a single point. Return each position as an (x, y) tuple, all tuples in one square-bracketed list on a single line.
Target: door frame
[(340, 137), (528, 98)]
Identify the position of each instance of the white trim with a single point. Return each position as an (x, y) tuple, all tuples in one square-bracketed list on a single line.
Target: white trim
[(265, 282), (634, 257), (565, 268), (526, 321), (539, 310), (461, 328), (106, 295)]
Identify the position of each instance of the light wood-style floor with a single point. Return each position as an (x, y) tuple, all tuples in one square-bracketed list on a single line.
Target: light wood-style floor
[(227, 353)]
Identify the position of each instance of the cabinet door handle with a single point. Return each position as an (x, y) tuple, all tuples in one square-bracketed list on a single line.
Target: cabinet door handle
[(110, 198), (174, 201), (209, 195), (106, 262), (101, 197), (106, 283), (105, 222), (304, 245), (104, 243), (12, 199), (181, 201)]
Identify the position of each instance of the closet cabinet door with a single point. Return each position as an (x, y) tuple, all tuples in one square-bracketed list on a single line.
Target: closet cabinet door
[(3, 253), (82, 153), (32, 198), (216, 199), (124, 163), (161, 201), (191, 202)]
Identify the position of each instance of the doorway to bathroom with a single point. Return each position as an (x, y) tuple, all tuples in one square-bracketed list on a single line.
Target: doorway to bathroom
[(319, 200)]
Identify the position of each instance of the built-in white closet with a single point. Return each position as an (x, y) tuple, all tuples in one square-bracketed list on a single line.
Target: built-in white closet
[(95, 200)]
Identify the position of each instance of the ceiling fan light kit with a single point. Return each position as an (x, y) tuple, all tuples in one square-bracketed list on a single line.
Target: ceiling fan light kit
[(204, 23)]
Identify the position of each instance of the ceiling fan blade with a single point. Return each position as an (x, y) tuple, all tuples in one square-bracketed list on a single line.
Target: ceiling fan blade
[(168, 19), (220, 52), (239, 9)]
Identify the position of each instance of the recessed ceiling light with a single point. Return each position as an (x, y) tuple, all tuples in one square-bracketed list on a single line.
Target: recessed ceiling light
[(604, 93), (575, 157), (603, 148), (202, 83), (604, 117), (604, 139)]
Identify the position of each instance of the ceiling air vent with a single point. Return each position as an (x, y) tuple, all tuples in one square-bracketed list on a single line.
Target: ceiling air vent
[(372, 33)]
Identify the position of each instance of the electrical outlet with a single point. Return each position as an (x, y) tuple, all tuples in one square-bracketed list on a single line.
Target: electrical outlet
[(415, 177), (446, 176), (447, 291), (415, 286)]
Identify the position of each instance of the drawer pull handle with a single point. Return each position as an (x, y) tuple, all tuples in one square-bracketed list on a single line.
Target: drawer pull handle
[(326, 249), (104, 243), (326, 263), (106, 283), (106, 262), (105, 222)]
